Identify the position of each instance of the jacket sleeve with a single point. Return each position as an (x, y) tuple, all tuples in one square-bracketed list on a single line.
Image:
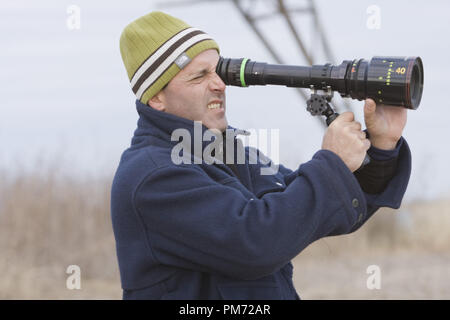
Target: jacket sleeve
[(375, 176), (389, 176), (394, 187), (194, 222)]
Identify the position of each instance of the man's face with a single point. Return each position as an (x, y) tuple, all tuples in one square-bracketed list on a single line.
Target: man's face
[(197, 92)]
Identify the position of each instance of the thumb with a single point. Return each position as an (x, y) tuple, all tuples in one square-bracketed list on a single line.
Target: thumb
[(369, 111), (347, 116)]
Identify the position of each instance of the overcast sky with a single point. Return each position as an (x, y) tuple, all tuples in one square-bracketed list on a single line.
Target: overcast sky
[(65, 94)]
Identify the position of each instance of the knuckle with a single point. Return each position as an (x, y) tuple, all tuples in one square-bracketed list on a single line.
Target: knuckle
[(347, 115)]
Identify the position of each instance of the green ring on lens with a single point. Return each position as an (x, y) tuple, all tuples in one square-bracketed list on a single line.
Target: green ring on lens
[(243, 63)]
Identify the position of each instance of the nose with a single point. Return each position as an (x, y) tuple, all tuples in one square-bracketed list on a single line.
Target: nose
[(216, 83)]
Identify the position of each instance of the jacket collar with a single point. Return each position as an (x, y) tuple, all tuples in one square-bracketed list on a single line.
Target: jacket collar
[(162, 125)]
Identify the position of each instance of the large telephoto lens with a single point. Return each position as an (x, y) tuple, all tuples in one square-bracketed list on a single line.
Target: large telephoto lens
[(396, 81)]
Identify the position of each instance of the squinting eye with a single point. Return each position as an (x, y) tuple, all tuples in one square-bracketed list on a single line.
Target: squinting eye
[(201, 76)]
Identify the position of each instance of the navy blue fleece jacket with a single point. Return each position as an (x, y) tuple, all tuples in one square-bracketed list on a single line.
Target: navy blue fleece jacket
[(205, 231)]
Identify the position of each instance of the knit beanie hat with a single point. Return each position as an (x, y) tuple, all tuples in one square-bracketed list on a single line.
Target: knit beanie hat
[(156, 47)]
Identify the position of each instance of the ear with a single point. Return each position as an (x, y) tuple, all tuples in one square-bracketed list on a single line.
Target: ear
[(157, 101)]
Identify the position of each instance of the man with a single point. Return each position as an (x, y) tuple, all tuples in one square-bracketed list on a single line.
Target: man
[(198, 230)]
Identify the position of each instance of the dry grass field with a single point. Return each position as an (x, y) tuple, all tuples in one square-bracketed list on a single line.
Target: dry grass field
[(411, 247), (49, 220)]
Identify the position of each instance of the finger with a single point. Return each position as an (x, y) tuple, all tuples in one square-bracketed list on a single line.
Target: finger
[(355, 125), (366, 144), (370, 105), (346, 117), (361, 135), (369, 111)]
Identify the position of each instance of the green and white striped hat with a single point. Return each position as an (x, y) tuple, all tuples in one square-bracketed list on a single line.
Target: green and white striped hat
[(156, 47)]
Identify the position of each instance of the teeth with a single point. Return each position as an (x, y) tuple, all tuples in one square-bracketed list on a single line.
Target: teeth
[(214, 106)]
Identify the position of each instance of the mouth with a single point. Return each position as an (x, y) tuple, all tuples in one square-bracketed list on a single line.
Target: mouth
[(216, 104)]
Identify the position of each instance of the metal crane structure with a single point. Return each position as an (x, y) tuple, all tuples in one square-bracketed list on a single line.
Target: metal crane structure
[(281, 8)]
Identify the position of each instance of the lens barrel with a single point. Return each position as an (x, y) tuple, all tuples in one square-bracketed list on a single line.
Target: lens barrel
[(394, 81)]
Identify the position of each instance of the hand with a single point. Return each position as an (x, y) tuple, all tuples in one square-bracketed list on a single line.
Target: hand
[(385, 124), (345, 138)]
